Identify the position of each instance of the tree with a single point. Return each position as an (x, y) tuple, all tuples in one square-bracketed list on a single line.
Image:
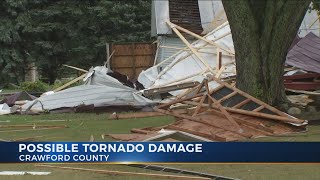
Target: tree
[(316, 5), (12, 56), (262, 32), (52, 33)]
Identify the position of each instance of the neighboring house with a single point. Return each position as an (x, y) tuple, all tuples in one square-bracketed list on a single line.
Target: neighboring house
[(197, 16)]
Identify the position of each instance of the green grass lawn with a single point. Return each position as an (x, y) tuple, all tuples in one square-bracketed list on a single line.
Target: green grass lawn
[(82, 126)]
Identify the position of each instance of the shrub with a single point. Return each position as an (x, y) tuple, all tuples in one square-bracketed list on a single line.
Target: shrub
[(37, 86)]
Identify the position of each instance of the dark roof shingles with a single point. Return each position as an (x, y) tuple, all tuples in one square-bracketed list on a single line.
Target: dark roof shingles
[(306, 54)]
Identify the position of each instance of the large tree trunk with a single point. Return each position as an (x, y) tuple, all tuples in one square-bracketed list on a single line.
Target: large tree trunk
[(262, 32)]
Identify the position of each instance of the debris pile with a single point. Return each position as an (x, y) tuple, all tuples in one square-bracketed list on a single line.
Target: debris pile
[(223, 113), (99, 90)]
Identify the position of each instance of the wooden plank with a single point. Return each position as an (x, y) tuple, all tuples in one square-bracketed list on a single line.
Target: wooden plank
[(267, 106), (219, 53), (188, 92), (107, 61), (250, 113), (190, 47), (140, 131), (199, 87), (116, 116), (123, 173), (216, 89), (198, 133), (242, 103), (258, 108), (227, 96), (246, 122), (228, 116), (304, 92), (199, 105), (238, 120), (205, 44), (178, 101), (220, 72), (180, 79), (264, 115), (70, 82), (198, 120), (165, 89), (33, 126), (76, 68), (207, 91), (172, 25)]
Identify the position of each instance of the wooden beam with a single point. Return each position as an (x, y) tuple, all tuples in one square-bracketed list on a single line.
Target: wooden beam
[(70, 82), (199, 105), (178, 101), (140, 131), (258, 109), (197, 133), (107, 61), (216, 89), (76, 68), (227, 96), (267, 106), (188, 91), (246, 122), (264, 115), (134, 115), (220, 72), (181, 79), (219, 59), (238, 120), (242, 103), (250, 113), (33, 126), (222, 36), (198, 120), (228, 116), (165, 89), (189, 46), (172, 25)]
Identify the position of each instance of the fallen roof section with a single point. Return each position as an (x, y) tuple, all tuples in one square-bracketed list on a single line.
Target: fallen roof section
[(306, 54), (209, 54), (226, 114), (223, 113), (10, 100), (99, 96), (100, 90)]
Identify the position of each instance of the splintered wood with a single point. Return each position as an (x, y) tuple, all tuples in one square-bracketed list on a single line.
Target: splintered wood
[(225, 113)]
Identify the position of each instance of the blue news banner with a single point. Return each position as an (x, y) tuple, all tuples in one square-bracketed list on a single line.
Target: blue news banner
[(159, 152)]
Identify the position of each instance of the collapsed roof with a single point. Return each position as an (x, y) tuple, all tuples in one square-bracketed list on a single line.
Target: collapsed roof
[(305, 54), (187, 66), (99, 89), (10, 100)]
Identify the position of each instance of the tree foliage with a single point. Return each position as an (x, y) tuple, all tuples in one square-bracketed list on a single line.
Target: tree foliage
[(316, 5), (51, 33)]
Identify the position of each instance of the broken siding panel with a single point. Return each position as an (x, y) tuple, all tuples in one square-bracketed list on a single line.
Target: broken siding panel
[(164, 53), (161, 9)]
